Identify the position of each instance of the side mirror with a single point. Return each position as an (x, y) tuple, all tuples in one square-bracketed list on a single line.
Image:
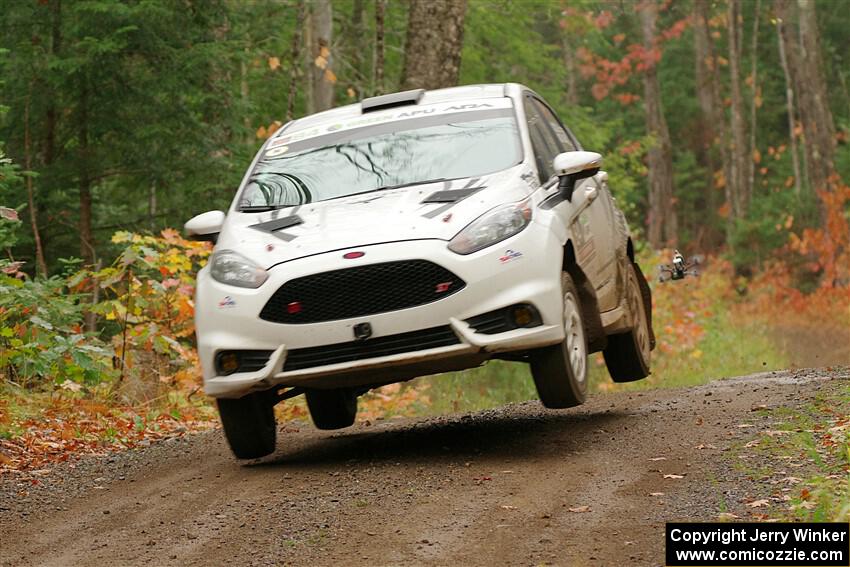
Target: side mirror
[(205, 226), (574, 166)]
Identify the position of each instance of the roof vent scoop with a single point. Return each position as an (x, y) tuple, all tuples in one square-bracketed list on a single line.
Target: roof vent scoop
[(391, 100)]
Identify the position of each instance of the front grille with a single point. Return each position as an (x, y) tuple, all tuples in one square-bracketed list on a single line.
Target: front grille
[(434, 337), (359, 291)]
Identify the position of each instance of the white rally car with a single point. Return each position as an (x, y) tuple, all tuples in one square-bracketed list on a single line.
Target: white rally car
[(410, 234)]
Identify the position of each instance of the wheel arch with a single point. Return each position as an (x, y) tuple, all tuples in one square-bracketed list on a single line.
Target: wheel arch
[(596, 338)]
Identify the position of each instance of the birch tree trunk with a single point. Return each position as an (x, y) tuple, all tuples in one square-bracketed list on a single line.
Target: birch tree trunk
[(802, 50), (738, 162), (434, 44), (789, 103)]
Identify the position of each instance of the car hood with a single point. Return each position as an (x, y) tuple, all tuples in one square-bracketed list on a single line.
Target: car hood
[(393, 215)]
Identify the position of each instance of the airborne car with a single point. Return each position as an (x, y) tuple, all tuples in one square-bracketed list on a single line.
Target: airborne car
[(410, 234)]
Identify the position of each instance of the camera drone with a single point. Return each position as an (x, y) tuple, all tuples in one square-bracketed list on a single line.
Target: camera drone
[(679, 268)]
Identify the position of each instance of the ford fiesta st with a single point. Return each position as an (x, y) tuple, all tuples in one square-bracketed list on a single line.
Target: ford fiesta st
[(409, 234)]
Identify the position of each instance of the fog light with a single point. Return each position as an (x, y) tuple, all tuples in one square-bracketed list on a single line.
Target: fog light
[(228, 362), (522, 315)]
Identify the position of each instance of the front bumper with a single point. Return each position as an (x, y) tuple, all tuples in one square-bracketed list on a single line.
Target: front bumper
[(522, 269)]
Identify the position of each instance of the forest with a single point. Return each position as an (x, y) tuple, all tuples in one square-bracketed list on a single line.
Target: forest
[(723, 125)]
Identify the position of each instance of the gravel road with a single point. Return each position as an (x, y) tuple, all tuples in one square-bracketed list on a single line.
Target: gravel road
[(519, 485)]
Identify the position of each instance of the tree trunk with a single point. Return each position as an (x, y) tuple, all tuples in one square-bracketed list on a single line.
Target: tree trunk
[(244, 96), (358, 36), (40, 264), (751, 169), (321, 58), (789, 101), (663, 225), (295, 56), (434, 44), (152, 206), (738, 162), (380, 8), (713, 116), (570, 66), (87, 251), (50, 119), (818, 125)]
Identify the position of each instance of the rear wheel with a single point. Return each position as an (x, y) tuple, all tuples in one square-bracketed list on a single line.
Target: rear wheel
[(249, 424), (332, 409), (628, 355), (560, 371)]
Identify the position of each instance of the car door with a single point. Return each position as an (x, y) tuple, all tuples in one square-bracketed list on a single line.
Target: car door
[(589, 214)]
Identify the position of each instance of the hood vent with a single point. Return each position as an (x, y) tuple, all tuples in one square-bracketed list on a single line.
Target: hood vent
[(391, 100)]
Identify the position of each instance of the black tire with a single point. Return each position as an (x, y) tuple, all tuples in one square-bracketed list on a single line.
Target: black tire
[(628, 354), (560, 371), (332, 409), (249, 424)]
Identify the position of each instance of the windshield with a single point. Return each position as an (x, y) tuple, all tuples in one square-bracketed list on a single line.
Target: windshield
[(449, 146)]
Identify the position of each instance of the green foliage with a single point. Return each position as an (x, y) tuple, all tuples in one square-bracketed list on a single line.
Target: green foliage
[(41, 335), (148, 309), (9, 178)]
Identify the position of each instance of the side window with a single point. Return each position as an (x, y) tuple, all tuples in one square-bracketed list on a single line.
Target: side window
[(565, 141), (543, 142)]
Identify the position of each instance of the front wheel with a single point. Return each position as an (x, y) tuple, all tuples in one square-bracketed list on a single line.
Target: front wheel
[(628, 355), (249, 424), (332, 409), (560, 371)]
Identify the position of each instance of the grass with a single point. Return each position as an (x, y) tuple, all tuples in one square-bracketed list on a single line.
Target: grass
[(816, 449), (723, 351)]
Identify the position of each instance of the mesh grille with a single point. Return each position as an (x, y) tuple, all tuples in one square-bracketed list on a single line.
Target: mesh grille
[(371, 348), (364, 290)]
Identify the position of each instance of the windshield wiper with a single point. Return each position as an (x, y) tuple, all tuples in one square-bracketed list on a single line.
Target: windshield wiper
[(262, 208)]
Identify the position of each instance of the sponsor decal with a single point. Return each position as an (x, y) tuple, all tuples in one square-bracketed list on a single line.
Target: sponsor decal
[(278, 151), (227, 302), (509, 256), (401, 115)]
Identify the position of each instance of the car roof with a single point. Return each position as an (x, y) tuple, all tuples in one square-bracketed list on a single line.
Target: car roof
[(451, 94)]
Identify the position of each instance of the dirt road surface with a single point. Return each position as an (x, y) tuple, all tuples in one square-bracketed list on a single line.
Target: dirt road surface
[(515, 486)]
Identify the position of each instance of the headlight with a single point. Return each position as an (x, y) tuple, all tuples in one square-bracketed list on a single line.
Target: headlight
[(232, 268), (492, 227)]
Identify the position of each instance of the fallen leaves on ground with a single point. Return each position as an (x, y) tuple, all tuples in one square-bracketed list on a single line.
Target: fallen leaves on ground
[(580, 509), (70, 428)]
